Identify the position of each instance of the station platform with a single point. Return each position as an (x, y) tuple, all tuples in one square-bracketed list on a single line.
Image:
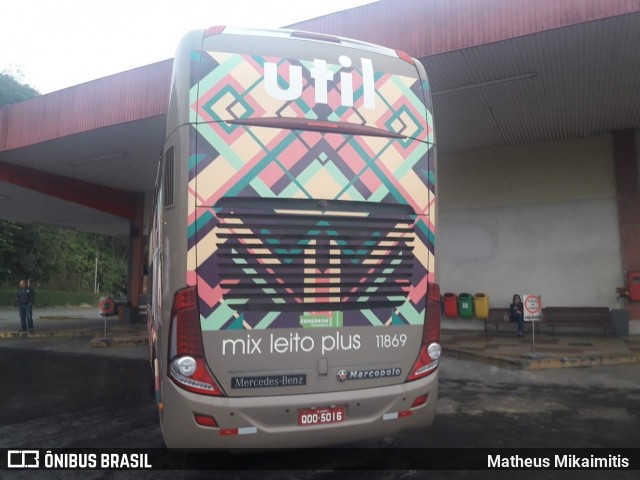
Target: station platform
[(542, 350)]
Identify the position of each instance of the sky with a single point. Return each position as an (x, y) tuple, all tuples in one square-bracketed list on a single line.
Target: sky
[(55, 44)]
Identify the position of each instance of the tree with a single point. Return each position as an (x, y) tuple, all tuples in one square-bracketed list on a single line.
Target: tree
[(8, 251), (12, 91), (61, 259)]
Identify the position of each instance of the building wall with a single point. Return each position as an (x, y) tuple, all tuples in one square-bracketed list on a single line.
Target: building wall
[(538, 218)]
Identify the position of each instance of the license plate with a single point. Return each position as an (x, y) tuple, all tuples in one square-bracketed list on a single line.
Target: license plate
[(320, 416)]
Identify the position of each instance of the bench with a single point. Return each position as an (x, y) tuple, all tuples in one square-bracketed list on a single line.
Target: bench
[(496, 316), (576, 317), (499, 316)]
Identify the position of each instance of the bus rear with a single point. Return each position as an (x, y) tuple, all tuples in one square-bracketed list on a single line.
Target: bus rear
[(301, 304)]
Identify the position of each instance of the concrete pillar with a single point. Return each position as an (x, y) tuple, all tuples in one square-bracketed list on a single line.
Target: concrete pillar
[(136, 248), (625, 152)]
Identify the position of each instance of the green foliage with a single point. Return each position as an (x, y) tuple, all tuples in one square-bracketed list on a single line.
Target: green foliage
[(8, 251), (46, 298), (12, 91), (61, 260)]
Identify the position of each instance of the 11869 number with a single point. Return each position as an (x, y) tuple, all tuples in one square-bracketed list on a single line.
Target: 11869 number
[(391, 341)]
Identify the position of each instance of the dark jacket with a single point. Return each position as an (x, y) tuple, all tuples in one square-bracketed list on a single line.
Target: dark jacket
[(514, 308), (26, 295)]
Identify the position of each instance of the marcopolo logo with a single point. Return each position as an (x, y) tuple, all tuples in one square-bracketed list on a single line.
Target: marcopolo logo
[(322, 76), (23, 459), (344, 375)]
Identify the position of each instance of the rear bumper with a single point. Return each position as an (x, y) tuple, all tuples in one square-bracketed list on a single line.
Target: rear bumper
[(272, 422)]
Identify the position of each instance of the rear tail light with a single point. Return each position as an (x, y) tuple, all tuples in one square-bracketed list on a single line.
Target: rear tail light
[(430, 350), (187, 366)]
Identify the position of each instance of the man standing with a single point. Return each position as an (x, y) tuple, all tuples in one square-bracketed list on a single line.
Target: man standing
[(25, 297)]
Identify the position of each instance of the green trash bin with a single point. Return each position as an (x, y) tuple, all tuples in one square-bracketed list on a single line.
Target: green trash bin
[(481, 305), (465, 305)]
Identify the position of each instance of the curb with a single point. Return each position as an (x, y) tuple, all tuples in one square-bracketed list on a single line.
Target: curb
[(66, 317), (47, 334), (548, 363), (99, 341), (582, 361), (478, 357)]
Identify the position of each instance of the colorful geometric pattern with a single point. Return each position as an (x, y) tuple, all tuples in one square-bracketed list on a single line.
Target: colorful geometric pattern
[(236, 170)]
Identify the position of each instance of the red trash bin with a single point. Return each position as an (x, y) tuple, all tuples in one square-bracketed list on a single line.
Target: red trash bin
[(633, 280), (451, 305)]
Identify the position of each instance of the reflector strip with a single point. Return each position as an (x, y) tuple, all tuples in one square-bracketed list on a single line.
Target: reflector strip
[(156, 366), (206, 421), (396, 415), (239, 431), (405, 56), (218, 29)]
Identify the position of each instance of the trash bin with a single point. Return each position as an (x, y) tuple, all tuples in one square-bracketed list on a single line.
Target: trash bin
[(465, 305), (129, 314), (451, 305), (620, 320), (633, 284), (481, 305)]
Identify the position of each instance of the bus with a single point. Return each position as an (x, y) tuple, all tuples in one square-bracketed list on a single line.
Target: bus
[(293, 290)]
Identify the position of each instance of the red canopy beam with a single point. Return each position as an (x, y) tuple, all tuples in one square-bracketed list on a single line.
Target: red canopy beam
[(106, 199)]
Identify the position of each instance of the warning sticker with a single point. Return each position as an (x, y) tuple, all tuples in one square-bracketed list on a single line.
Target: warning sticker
[(532, 308)]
